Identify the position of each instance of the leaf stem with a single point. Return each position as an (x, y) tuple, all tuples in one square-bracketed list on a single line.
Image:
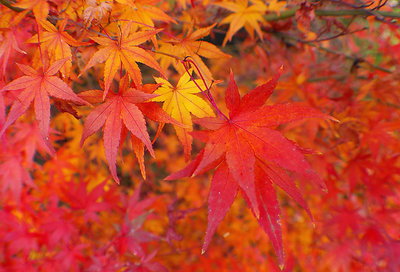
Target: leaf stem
[(166, 54), (207, 94)]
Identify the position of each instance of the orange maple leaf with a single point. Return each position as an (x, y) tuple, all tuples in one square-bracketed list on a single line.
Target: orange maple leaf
[(95, 11), (57, 43), (189, 44), (123, 51)]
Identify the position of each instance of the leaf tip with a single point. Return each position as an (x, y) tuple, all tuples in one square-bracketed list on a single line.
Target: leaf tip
[(333, 119), (281, 266), (256, 213), (203, 251), (81, 142), (232, 78), (116, 179), (151, 151)]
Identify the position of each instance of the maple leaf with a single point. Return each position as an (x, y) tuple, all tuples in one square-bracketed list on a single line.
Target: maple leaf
[(131, 236), (17, 234), (143, 11), (189, 44), (122, 110), (57, 228), (276, 6), (95, 11), (69, 256), (244, 16), (134, 206), (27, 136), (179, 102), (38, 86), (381, 133), (77, 195), (8, 44), (13, 174), (250, 156), (123, 51), (57, 43)]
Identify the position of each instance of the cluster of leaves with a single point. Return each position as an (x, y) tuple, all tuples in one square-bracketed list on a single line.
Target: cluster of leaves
[(87, 86)]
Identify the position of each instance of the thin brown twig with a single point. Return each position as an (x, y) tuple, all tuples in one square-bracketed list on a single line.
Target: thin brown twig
[(331, 51), (380, 5), (362, 6), (207, 94), (374, 12), (334, 13), (334, 36)]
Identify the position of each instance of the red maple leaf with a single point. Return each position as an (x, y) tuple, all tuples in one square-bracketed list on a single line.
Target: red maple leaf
[(123, 110), (250, 156), (13, 174), (37, 87), (9, 44), (79, 198)]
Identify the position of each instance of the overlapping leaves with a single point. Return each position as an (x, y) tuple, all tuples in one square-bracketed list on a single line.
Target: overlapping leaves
[(250, 156), (123, 50), (38, 86), (120, 112), (179, 102)]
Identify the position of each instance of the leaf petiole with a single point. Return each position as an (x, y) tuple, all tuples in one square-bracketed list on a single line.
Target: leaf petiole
[(206, 93)]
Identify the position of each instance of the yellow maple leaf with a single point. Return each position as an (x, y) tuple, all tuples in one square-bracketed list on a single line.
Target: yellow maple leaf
[(244, 15), (181, 101), (276, 6)]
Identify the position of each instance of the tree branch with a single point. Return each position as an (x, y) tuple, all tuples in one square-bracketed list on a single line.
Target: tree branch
[(331, 51), (9, 5), (336, 13)]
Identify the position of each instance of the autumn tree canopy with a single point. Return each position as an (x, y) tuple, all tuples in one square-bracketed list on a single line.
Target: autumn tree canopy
[(233, 135)]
